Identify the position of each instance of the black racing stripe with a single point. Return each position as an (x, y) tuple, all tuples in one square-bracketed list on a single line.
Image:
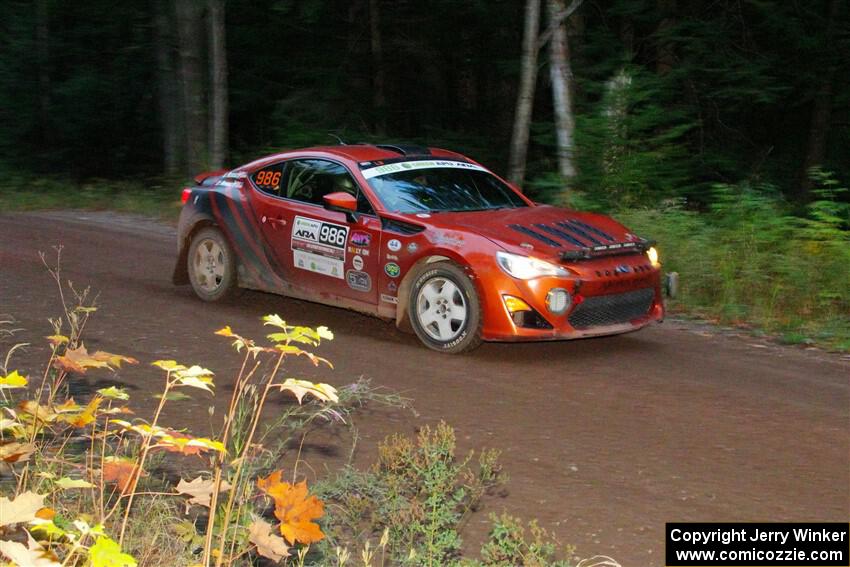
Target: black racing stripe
[(241, 243), (247, 222), (561, 234), (593, 229), (527, 231), (578, 231)]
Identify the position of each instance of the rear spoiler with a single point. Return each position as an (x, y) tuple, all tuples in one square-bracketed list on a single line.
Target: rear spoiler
[(208, 175), (617, 249)]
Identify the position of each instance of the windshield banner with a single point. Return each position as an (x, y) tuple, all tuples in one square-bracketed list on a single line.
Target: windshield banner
[(419, 164)]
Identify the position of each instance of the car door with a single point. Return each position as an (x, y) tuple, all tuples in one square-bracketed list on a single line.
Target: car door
[(331, 256)]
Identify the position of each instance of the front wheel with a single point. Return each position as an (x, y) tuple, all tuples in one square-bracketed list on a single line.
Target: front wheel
[(444, 308), (211, 264)]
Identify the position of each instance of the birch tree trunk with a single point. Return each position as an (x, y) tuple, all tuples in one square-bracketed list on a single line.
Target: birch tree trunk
[(525, 95), (561, 76), (169, 98), (218, 123), (189, 31)]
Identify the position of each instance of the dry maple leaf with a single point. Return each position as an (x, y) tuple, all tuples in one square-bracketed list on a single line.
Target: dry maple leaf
[(300, 388), (268, 544), (294, 509), (122, 472), (15, 452), (200, 490), (31, 555), (79, 360), (21, 509)]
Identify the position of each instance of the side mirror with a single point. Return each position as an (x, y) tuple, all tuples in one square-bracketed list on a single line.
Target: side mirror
[(343, 203)]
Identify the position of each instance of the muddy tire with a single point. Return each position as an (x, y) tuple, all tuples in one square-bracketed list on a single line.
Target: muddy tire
[(444, 308), (211, 265)]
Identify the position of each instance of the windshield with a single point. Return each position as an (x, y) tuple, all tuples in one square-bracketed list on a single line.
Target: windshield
[(442, 189)]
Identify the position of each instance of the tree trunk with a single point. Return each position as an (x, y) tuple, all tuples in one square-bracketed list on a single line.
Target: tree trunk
[(218, 74), (42, 32), (189, 30), (379, 99), (821, 112), (664, 54), (169, 99), (561, 76), (525, 96)]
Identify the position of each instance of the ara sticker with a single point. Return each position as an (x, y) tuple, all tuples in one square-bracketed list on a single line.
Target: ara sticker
[(357, 262), (363, 239), (394, 245), (358, 281), (319, 246), (389, 298), (392, 269)]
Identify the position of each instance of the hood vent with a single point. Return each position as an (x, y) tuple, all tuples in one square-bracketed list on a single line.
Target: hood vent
[(561, 234), (528, 232), (590, 228)]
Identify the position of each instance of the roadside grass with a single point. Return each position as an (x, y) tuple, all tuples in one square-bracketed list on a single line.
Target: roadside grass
[(94, 483), (157, 199), (746, 262)]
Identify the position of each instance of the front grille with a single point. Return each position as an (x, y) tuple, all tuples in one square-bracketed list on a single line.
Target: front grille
[(611, 309)]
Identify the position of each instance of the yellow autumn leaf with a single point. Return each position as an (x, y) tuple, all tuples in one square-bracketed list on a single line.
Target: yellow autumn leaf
[(300, 388), (200, 490), (13, 380), (14, 452), (294, 508), (107, 553)]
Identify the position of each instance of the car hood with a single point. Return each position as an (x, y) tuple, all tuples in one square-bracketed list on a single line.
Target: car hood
[(540, 230)]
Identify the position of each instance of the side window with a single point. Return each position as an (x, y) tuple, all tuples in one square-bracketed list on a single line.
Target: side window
[(270, 179), (309, 180)]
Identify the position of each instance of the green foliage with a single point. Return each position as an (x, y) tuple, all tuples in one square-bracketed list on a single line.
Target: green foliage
[(748, 259), (509, 546), (419, 491)]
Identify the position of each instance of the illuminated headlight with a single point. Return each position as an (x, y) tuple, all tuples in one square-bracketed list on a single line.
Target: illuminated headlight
[(652, 254), (526, 268), (558, 300)]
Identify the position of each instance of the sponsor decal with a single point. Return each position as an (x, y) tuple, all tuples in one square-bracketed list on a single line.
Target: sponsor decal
[(389, 298), (412, 247), (527, 245), (449, 239), (394, 245), (392, 269), (392, 286), (319, 246), (392, 257), (357, 263), (423, 215), (418, 164), (358, 251), (363, 239), (358, 281)]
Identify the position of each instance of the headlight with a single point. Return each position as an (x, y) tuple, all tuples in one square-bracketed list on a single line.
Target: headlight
[(526, 268), (652, 254)]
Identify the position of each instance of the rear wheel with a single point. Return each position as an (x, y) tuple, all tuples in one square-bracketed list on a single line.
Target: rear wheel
[(212, 269), (444, 308)]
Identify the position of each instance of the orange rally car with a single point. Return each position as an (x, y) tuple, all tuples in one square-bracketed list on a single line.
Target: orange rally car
[(422, 236)]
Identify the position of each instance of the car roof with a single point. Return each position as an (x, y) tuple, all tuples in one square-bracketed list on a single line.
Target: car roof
[(367, 153)]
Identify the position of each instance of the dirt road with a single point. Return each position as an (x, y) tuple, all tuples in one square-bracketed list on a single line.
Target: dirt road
[(605, 440)]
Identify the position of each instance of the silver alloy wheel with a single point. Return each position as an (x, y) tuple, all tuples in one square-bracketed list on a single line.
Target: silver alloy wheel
[(441, 309), (209, 265)]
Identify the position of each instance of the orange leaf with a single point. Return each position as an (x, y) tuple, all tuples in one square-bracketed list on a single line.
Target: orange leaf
[(123, 472), (46, 514), (294, 508), (79, 360)]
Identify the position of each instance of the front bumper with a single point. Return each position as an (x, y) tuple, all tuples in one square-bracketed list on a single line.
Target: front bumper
[(610, 296)]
